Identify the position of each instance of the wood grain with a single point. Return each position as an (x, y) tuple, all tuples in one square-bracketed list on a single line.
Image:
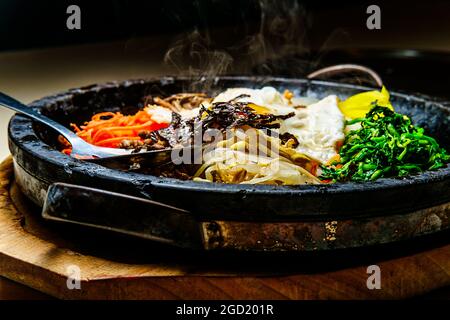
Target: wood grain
[(37, 253), (11, 290)]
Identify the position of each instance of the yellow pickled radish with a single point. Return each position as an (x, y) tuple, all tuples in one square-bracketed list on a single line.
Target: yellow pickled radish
[(359, 104), (259, 109)]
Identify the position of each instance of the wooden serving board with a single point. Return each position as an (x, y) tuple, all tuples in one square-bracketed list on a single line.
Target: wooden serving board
[(40, 254)]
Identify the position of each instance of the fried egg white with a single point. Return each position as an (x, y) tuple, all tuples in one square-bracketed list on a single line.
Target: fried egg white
[(267, 97), (318, 127)]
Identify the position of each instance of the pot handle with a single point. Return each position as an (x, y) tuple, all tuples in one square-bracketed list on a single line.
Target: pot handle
[(138, 217), (344, 68)]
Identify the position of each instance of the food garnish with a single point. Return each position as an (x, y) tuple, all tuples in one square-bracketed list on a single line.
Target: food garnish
[(386, 145), (260, 136), (110, 129), (359, 104)]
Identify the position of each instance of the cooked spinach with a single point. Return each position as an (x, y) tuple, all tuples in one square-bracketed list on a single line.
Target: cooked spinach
[(386, 145)]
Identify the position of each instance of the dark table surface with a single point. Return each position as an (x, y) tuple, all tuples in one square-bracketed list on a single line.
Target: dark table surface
[(10, 290)]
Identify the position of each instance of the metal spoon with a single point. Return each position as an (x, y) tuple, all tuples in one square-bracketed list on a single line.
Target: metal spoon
[(79, 146), (109, 157)]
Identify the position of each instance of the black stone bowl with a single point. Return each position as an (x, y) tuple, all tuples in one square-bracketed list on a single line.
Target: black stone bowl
[(38, 163)]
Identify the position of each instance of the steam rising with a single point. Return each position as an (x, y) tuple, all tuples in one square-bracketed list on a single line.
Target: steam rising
[(192, 56), (281, 33)]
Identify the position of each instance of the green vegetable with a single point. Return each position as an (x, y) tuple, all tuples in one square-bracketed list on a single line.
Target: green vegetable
[(386, 145)]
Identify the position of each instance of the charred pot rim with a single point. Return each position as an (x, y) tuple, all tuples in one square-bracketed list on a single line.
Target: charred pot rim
[(221, 201)]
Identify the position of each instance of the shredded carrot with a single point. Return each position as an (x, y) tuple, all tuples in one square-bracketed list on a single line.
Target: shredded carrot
[(109, 129), (339, 145), (314, 167)]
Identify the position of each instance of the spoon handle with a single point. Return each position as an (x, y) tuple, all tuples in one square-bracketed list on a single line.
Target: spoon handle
[(79, 146), (19, 107)]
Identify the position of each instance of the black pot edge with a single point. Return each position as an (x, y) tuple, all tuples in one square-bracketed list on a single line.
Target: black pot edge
[(54, 157)]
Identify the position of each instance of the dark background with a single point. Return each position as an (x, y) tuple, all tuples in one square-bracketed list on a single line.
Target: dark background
[(42, 23), (284, 37)]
